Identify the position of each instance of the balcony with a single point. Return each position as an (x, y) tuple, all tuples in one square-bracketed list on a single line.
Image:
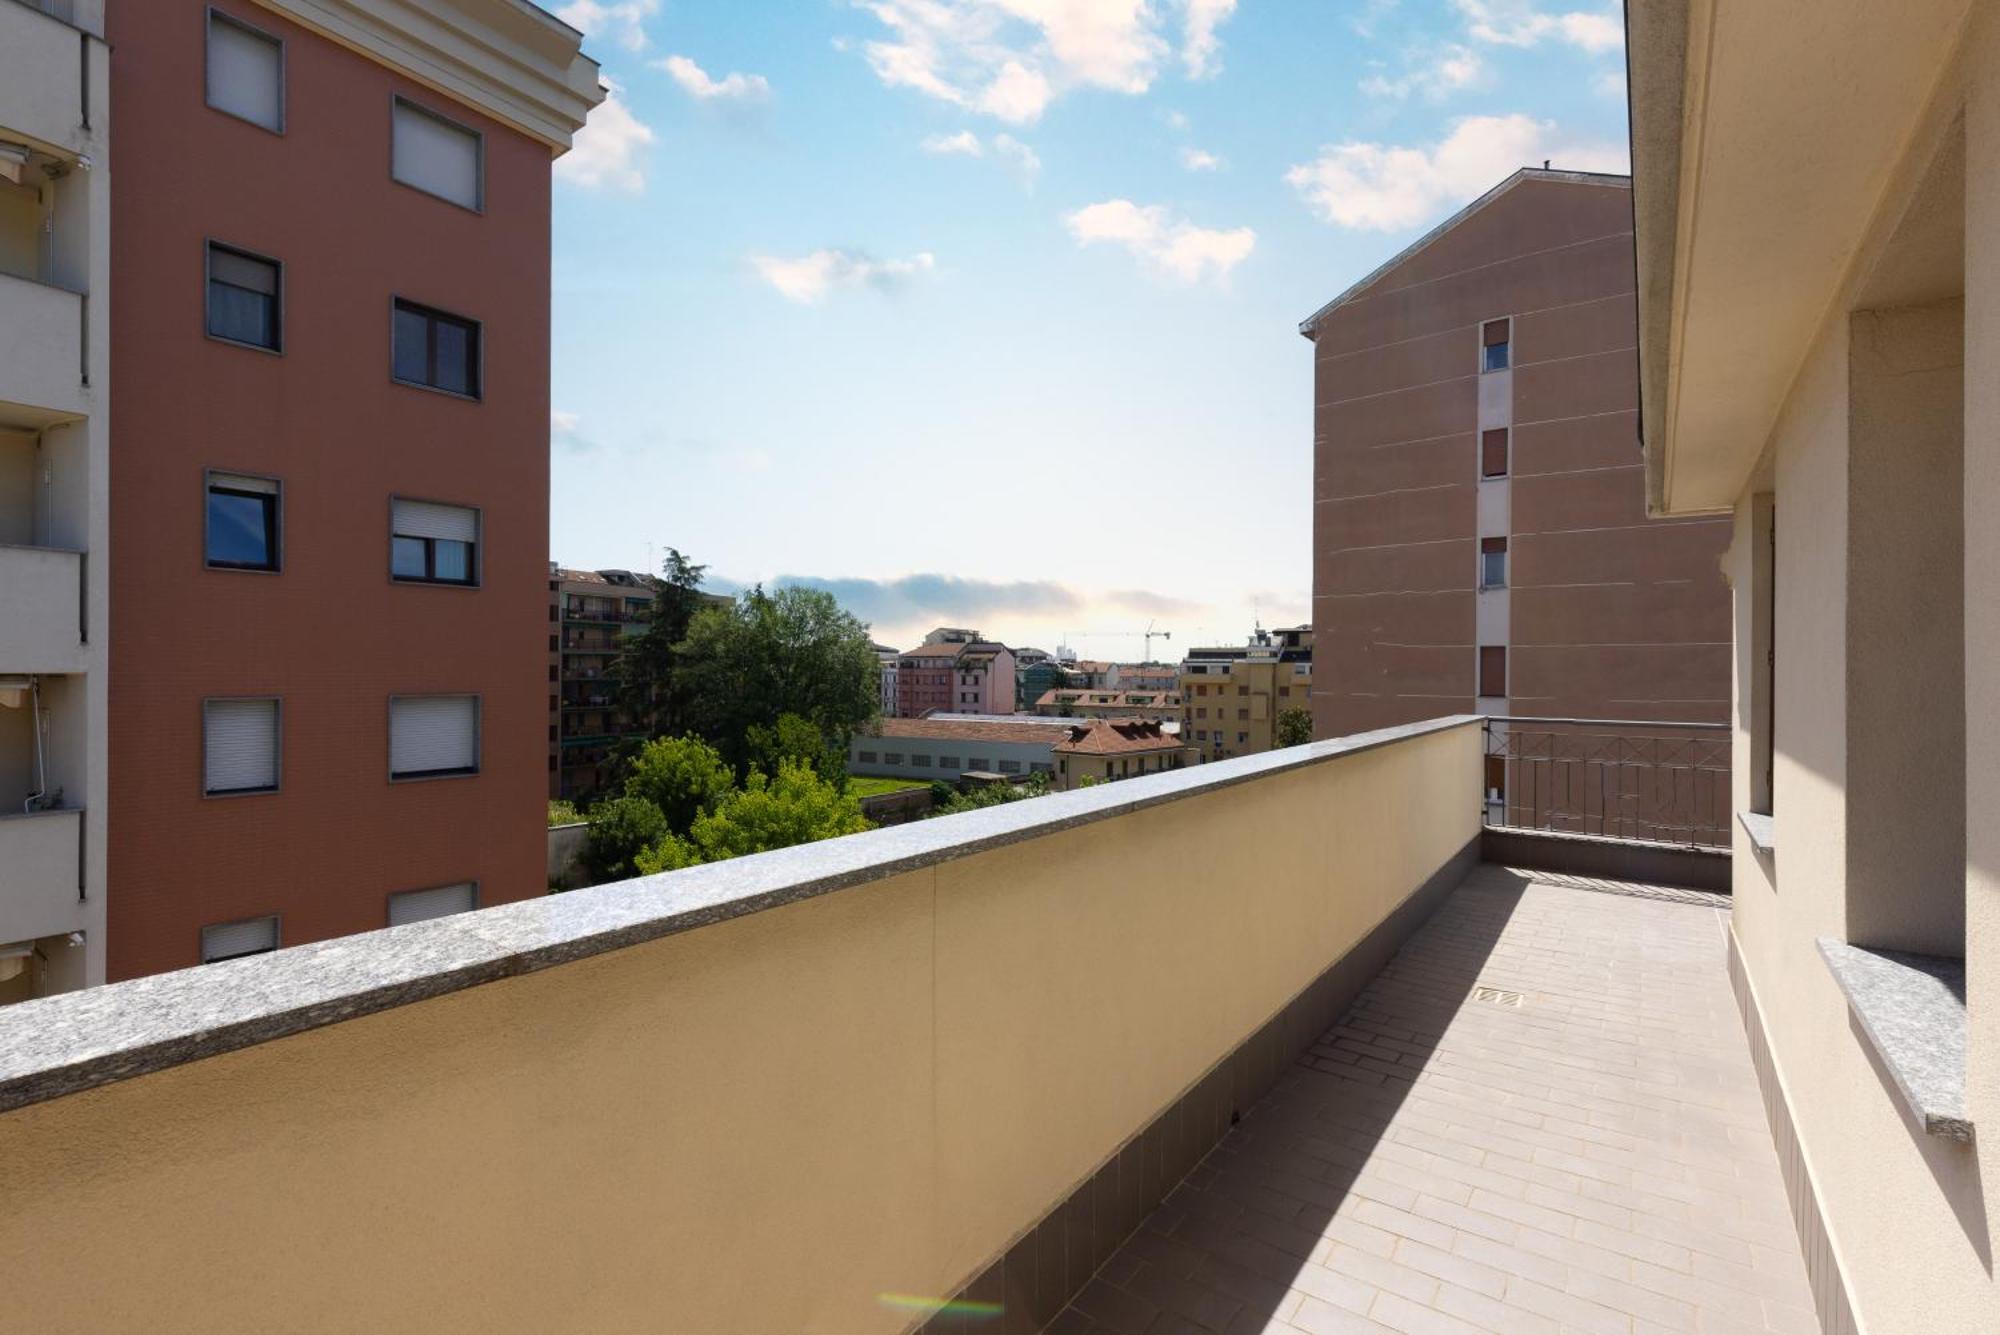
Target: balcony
[(1255, 1045), (40, 95), (41, 346), (39, 879), (41, 610)]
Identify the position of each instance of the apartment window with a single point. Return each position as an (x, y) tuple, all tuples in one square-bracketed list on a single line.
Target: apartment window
[(1242, 737), (245, 301), (1243, 690), (1493, 452), (439, 902), (1242, 713), (433, 736), (436, 350), (921, 762), (865, 757), (437, 156), (433, 544), (1202, 735), (1284, 691), (1494, 348), (233, 940), (980, 763), (1037, 767), (892, 757), (1010, 767), (246, 72), (947, 762), (1493, 669), (239, 747), (1493, 563), (241, 529)]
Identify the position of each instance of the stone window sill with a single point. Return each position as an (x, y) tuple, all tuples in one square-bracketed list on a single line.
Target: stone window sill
[(1911, 1011), (1762, 831)]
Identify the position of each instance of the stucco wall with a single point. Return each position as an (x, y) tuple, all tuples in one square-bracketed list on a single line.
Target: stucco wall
[(759, 1125)]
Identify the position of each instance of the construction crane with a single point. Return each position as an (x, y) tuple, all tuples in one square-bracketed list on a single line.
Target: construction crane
[(1148, 635)]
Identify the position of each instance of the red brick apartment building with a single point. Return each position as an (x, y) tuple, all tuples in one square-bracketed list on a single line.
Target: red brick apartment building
[(1480, 538), (329, 474)]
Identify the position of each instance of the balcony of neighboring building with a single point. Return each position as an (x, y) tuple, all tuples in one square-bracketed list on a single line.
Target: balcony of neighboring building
[(42, 764), (44, 517), (44, 272), (41, 86), (1244, 1047)]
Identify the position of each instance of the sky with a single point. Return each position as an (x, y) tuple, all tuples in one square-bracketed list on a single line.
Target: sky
[(985, 312)]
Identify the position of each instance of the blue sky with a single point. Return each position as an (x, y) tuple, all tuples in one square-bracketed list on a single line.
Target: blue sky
[(984, 312)]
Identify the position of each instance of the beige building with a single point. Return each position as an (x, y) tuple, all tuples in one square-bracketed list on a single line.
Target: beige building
[(1106, 750), (1818, 236), (1231, 695), (1153, 704)]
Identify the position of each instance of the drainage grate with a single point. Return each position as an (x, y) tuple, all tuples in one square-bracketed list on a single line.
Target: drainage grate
[(1496, 996)]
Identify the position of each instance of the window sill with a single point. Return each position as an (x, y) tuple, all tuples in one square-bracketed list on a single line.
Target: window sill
[(436, 389), (1762, 831), (1910, 1009), (424, 776)]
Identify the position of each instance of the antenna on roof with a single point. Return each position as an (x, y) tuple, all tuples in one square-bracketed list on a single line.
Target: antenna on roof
[(1545, 164)]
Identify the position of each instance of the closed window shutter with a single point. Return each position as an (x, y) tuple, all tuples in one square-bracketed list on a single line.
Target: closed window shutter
[(1493, 670), (1494, 334), (1493, 452), (263, 486), (423, 519), (245, 73), (435, 156), (442, 902), (226, 266), (430, 734), (239, 746), (227, 940)]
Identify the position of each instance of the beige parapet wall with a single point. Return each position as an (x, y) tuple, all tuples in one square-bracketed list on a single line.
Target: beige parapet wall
[(763, 1124)]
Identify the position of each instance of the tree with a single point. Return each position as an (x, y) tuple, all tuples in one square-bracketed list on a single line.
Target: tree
[(768, 654), (647, 685), (795, 807), (1295, 726), (620, 831), (988, 795), (681, 777), (799, 740)]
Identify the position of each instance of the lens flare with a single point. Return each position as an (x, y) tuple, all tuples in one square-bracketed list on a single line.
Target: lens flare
[(966, 1307)]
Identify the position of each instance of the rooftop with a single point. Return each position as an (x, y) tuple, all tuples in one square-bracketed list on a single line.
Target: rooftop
[(1105, 737), (951, 729)]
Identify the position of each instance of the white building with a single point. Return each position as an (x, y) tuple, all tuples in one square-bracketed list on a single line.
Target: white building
[(54, 511), (945, 749), (887, 657)]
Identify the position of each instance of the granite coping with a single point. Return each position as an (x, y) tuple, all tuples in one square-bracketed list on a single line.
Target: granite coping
[(1911, 1009), (1761, 829), (78, 1040)]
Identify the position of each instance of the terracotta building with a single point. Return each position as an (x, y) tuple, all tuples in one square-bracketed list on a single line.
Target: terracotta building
[(955, 671), (330, 239), (1106, 750), (1480, 538), (591, 613)]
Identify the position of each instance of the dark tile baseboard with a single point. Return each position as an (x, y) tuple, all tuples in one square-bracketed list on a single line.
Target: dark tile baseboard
[(1024, 1288), (1829, 1287)]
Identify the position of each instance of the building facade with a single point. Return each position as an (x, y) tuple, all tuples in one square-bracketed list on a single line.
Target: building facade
[(55, 399), (1231, 695), (1819, 278), (888, 658), (1479, 531), (1161, 705), (955, 670), (591, 615), (948, 749), (331, 489), (1106, 750)]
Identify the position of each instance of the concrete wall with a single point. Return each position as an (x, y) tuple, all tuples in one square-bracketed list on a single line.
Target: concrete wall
[(762, 1124), (1886, 772), (566, 843)]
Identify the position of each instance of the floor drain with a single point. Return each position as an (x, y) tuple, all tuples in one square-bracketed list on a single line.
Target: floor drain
[(1496, 996)]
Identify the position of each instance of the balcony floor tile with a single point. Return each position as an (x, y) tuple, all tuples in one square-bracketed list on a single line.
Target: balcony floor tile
[(1541, 1116)]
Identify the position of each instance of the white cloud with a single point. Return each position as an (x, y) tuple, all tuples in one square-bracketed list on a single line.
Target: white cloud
[(732, 87), (1388, 187), (1199, 160), (1435, 74), (1520, 23), (1011, 58), (566, 433), (809, 278), (1611, 83), (1177, 120), (1167, 244), (1199, 44), (605, 152), (964, 143), (1023, 159), (621, 21)]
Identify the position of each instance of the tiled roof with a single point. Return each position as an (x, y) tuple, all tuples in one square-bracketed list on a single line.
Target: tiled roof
[(1158, 699), (951, 730), (1105, 737)]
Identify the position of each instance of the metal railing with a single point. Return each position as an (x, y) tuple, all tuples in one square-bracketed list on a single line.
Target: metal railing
[(1654, 782)]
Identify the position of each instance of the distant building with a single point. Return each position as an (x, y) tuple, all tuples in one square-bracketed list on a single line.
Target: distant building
[(1231, 695), (955, 670), (1092, 674), (1144, 677), (591, 612), (1064, 703), (1036, 679), (1110, 749), (888, 658), (946, 749)]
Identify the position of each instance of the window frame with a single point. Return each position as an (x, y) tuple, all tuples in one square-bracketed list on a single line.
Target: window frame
[(433, 313), (1507, 343), (434, 775), (277, 566), (277, 747), (210, 14), (1479, 686), (479, 137), (478, 576), (389, 900), (277, 921), (1485, 551), (209, 245), (1506, 434)]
